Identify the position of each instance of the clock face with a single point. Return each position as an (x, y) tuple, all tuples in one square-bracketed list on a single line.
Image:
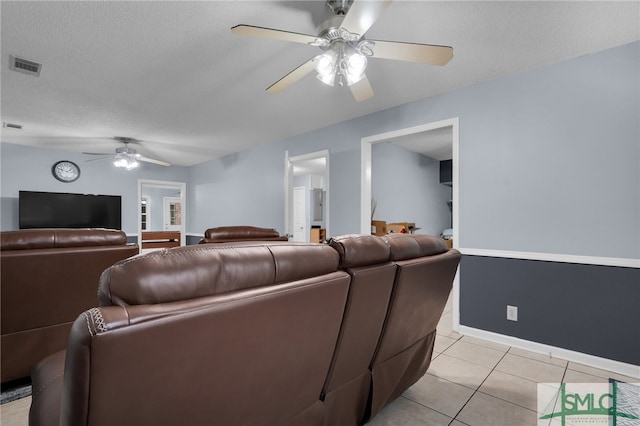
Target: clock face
[(65, 171)]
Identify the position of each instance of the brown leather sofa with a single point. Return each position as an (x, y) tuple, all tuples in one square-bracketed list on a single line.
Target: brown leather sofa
[(263, 333), (48, 277), (226, 234)]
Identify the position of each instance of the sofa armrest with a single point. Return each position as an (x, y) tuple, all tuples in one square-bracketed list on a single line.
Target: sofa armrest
[(46, 396)]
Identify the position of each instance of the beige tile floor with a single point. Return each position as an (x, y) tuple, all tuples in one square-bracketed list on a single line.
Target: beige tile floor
[(474, 382), (470, 382)]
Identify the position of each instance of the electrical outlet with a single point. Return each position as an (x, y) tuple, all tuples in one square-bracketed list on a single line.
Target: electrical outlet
[(512, 313)]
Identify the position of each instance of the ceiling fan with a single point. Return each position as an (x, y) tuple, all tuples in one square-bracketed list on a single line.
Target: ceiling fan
[(345, 49), (125, 156)]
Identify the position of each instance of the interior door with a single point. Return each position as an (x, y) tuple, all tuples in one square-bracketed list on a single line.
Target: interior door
[(172, 213), (300, 232)]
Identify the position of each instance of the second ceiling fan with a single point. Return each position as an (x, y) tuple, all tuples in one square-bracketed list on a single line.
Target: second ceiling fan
[(345, 50)]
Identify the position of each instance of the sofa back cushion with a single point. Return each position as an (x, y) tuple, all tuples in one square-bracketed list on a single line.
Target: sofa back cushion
[(235, 355), (412, 246), (190, 272), (27, 239), (224, 234), (424, 278), (366, 259), (360, 250)]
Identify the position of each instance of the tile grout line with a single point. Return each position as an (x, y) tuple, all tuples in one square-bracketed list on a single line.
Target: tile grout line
[(478, 388)]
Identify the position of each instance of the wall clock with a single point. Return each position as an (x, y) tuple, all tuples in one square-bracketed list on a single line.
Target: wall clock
[(66, 171)]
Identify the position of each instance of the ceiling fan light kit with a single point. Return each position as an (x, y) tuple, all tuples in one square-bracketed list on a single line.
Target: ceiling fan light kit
[(346, 52), (343, 61), (126, 157)]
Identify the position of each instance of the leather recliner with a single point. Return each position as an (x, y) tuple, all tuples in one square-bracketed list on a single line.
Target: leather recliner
[(48, 277), (254, 333)]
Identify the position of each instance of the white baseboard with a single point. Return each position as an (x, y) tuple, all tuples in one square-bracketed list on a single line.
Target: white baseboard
[(555, 257), (573, 356)]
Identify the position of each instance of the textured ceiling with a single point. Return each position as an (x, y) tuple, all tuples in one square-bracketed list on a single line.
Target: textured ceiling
[(173, 75)]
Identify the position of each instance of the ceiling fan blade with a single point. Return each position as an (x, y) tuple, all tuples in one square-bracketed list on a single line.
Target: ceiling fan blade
[(105, 156), (151, 160), (251, 30), (412, 52), (96, 153), (362, 14), (362, 90), (292, 77)]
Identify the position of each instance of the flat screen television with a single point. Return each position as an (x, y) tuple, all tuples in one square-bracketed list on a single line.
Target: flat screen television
[(66, 210)]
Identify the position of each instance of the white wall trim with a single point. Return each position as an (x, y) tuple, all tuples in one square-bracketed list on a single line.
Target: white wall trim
[(554, 257), (554, 352)]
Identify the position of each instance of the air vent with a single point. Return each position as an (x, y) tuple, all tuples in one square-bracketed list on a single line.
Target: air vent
[(26, 66)]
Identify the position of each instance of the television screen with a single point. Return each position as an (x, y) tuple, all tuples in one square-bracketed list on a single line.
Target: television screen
[(65, 210)]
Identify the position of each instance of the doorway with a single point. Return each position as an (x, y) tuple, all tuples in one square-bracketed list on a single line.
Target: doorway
[(365, 185), (306, 182), (161, 214)]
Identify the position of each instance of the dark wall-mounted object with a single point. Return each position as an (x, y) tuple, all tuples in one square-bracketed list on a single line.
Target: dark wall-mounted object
[(65, 210), (446, 172), (317, 201)]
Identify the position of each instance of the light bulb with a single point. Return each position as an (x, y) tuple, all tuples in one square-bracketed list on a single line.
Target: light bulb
[(356, 64), (325, 65), (132, 164)]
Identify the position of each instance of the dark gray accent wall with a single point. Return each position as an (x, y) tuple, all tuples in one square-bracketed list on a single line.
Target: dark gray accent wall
[(591, 309), (193, 239)]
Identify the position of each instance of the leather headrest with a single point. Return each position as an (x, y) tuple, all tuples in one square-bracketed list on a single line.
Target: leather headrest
[(239, 232), (26, 239), (360, 250), (189, 272), (411, 246)]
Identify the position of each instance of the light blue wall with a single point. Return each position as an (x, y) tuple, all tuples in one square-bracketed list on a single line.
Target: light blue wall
[(549, 158), (27, 168), (549, 162), (240, 189), (407, 188)]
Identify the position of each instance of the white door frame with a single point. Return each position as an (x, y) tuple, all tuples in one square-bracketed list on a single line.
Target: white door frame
[(288, 187), (365, 185), (182, 187)]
